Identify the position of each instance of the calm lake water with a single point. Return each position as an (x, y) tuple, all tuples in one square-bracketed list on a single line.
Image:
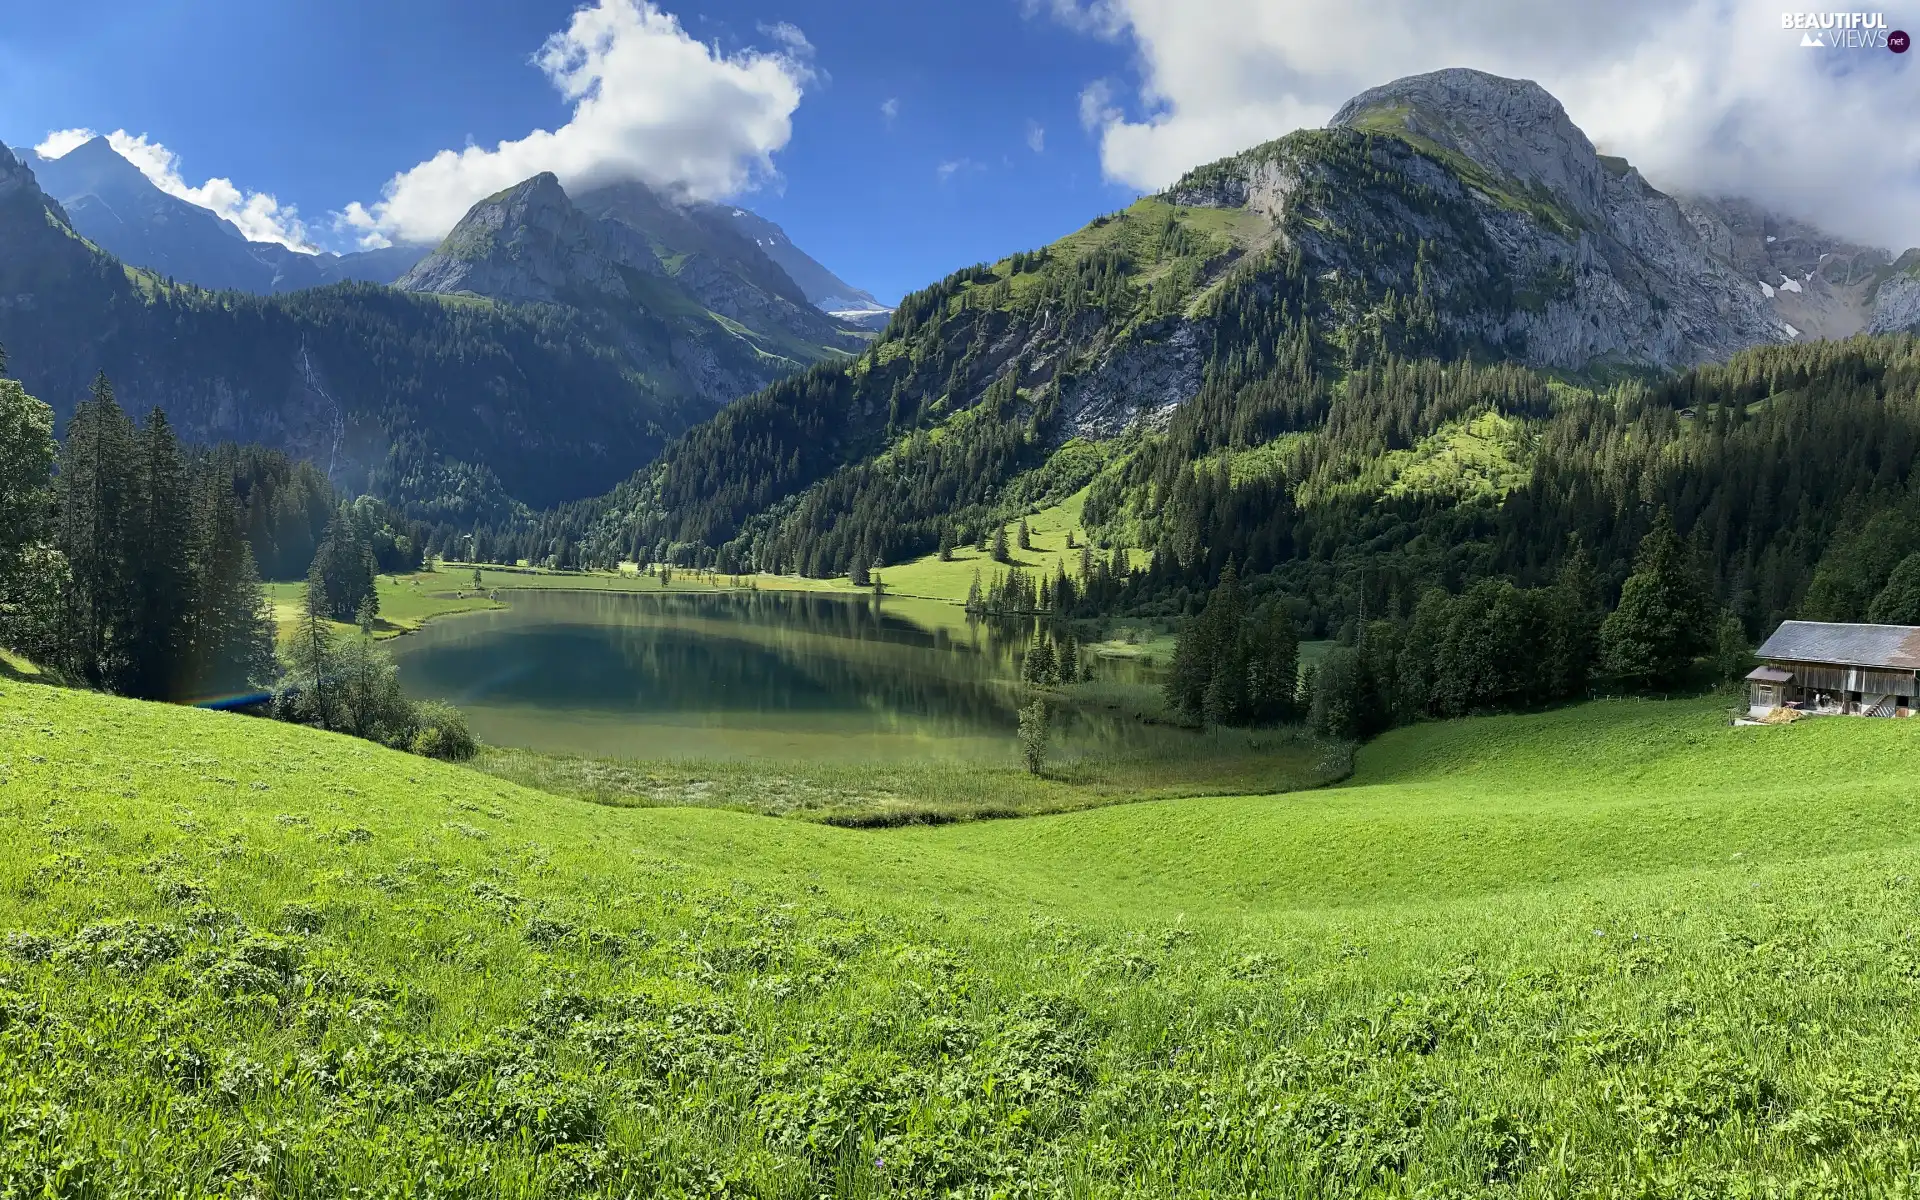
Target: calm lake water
[(749, 674)]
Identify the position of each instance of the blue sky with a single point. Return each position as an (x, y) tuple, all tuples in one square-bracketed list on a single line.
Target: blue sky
[(320, 105), (323, 107)]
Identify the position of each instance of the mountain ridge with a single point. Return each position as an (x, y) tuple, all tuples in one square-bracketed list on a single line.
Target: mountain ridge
[(110, 202), (1449, 218), (721, 312), (458, 409)]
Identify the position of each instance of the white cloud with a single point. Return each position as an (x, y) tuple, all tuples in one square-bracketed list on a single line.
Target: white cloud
[(62, 142), (1036, 137), (259, 215), (890, 110), (649, 103), (1707, 95)]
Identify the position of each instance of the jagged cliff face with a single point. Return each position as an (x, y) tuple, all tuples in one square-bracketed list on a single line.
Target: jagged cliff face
[(1603, 268), (1819, 285)]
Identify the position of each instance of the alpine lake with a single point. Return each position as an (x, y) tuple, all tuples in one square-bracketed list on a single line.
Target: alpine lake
[(751, 674)]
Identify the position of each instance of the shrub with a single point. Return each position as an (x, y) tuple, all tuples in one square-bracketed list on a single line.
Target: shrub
[(441, 732), (1036, 723)]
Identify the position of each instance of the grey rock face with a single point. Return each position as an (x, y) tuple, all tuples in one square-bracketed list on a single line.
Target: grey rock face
[(1512, 127), (531, 244), (16, 178), (1896, 305), (1653, 282), (1141, 383)]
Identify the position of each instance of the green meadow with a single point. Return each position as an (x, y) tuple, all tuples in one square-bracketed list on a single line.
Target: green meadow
[(1619, 950)]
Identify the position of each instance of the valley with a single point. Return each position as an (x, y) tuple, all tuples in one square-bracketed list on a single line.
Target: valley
[(1261, 695)]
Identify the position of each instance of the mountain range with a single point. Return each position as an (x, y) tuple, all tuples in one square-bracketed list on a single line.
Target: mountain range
[(113, 204), (554, 343), (466, 391), (1449, 217), (110, 202)]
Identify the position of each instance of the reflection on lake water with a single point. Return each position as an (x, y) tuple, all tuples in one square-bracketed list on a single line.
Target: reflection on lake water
[(734, 674)]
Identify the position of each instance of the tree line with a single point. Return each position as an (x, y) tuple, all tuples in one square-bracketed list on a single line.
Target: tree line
[(126, 565), (1491, 647)]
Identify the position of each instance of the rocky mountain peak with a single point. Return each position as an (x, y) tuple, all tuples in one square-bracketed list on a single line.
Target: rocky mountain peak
[(1513, 128), (530, 243), (98, 165)]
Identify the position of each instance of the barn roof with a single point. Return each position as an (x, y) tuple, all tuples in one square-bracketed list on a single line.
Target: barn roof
[(1895, 647)]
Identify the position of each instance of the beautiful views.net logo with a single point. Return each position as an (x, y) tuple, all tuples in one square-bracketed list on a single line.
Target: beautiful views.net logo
[(1845, 31)]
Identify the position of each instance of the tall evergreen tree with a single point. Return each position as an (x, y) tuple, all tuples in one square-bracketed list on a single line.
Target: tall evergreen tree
[(1574, 624), (233, 632), (309, 693), (1665, 616), (97, 494), (344, 567), (160, 565)]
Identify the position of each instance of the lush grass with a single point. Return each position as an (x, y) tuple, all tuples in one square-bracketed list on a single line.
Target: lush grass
[(1156, 763), (925, 578), (406, 601), (15, 666), (1048, 528), (252, 959)]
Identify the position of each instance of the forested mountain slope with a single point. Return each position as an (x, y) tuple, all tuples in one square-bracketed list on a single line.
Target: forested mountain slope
[(1274, 361), (456, 407)]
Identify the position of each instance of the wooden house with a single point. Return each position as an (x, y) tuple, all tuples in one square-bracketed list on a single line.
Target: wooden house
[(1851, 670)]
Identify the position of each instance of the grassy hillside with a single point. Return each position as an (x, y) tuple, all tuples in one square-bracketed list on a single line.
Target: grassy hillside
[(252, 959), (406, 601)]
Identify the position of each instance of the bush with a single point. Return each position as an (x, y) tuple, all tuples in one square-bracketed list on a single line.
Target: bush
[(1036, 725), (441, 732)]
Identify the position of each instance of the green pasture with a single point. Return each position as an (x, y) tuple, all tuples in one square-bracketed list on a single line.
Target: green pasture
[(406, 601), (1620, 950)]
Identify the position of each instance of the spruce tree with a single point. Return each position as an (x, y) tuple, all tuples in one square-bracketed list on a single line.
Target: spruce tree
[(1575, 625), (1026, 535), (161, 566), (344, 566), (233, 632), (309, 693), (1000, 544), (97, 494), (1664, 618)]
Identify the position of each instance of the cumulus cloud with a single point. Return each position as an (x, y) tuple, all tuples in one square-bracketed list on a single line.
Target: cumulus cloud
[(1704, 95), (259, 215), (649, 103), (1036, 137), (889, 110), (62, 142)]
